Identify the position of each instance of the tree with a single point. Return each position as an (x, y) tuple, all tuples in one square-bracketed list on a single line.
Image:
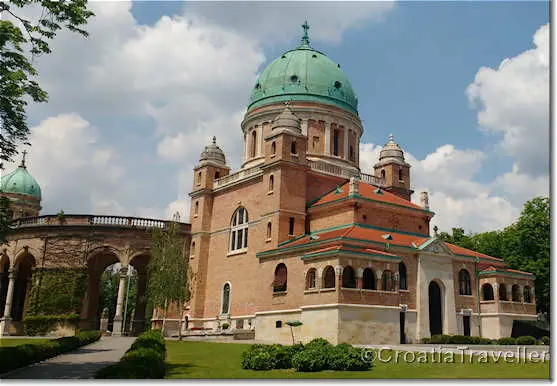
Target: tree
[(168, 272), (21, 37)]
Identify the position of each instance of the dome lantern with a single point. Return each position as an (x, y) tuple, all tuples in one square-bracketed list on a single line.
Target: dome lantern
[(212, 153)]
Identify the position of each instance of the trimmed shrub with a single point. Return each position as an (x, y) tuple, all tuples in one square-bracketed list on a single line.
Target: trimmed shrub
[(526, 340), (13, 357), (506, 341), (311, 359), (440, 339), (546, 340), (426, 340), (318, 343), (143, 360), (260, 357), (460, 339), (344, 357), (479, 340)]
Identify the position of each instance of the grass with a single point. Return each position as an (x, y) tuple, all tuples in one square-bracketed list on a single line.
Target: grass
[(5, 342), (222, 360)]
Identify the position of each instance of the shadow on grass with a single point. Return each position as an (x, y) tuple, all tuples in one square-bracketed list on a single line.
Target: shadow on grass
[(181, 369), (57, 370)]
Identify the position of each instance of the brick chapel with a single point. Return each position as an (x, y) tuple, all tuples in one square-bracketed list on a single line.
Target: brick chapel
[(300, 233)]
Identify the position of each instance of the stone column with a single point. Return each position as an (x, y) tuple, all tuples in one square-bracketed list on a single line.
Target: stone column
[(5, 321), (118, 315), (359, 276), (304, 127), (327, 138), (259, 150)]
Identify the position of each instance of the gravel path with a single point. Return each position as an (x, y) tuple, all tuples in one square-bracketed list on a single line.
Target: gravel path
[(82, 363)]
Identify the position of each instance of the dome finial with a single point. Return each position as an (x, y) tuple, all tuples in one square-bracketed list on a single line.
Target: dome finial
[(305, 38), (22, 165), (391, 138), (214, 140)]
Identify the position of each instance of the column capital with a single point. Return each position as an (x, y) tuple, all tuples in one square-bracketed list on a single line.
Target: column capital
[(12, 272), (123, 271)]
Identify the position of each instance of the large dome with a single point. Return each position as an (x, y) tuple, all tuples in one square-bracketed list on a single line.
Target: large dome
[(20, 182), (307, 75)]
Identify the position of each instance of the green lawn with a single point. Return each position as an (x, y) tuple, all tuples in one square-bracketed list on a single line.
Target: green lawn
[(222, 360), (16, 342)]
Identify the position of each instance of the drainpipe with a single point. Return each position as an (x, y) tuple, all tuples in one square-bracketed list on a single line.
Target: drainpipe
[(477, 275)]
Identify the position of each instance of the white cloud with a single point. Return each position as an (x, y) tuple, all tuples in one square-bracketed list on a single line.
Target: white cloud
[(513, 100)]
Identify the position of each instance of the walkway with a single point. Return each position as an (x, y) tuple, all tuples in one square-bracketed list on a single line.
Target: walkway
[(82, 363)]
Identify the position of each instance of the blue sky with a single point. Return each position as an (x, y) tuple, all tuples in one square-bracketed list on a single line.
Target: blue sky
[(132, 106)]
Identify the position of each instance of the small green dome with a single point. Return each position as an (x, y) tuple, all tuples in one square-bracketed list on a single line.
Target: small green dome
[(307, 75), (20, 182)]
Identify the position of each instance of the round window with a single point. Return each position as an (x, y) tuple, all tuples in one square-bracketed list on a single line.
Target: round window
[(337, 84)]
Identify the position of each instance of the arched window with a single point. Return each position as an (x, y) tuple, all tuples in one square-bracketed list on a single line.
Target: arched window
[(279, 284), (253, 142), (383, 173), (293, 147), (351, 153), (487, 292), (368, 279), (502, 292), (198, 178), (464, 282), (400, 175), (192, 249), (348, 277), (310, 278), (225, 298), (271, 183), (217, 175), (515, 293), (239, 230), (273, 148), (402, 274), (269, 228), (329, 277), (196, 210), (291, 226), (387, 281), (527, 295)]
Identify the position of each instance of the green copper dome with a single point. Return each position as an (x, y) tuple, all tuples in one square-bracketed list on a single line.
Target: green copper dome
[(307, 75), (20, 182)]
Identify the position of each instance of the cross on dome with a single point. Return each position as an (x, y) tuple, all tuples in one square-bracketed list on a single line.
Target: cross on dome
[(305, 38), (22, 165)]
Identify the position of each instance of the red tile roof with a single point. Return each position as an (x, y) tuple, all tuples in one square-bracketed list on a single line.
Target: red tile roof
[(367, 191), (468, 252)]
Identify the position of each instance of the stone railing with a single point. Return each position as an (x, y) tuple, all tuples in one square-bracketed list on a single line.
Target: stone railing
[(93, 220), (338, 171), (238, 176)]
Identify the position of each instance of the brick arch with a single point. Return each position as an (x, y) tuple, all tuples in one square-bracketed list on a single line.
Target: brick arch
[(24, 264)]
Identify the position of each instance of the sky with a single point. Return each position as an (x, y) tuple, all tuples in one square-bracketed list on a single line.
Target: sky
[(463, 86)]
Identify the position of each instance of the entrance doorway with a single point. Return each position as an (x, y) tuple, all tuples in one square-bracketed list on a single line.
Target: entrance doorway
[(402, 323), (435, 311), (466, 323)]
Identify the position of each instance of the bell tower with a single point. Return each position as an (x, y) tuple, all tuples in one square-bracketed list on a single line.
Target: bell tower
[(394, 170)]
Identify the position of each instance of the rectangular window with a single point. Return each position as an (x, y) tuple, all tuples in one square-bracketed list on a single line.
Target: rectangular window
[(466, 322), (278, 324), (335, 142), (291, 226)]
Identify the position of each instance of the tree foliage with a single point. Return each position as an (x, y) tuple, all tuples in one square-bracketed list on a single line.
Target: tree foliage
[(168, 269), (22, 38), (524, 245)]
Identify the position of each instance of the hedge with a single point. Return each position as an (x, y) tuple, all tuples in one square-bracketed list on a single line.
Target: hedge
[(317, 355), (462, 339), (143, 360), (43, 324), (13, 357)]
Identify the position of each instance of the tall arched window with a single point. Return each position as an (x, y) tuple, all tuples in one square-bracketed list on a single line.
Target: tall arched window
[(196, 210), (351, 153), (293, 147), (464, 282), (239, 230), (400, 175), (273, 148), (515, 293), (487, 292), (402, 274), (527, 294), (217, 175), (269, 228), (502, 292), (310, 278), (198, 178), (253, 143), (279, 284), (225, 298), (387, 281), (383, 173), (368, 279), (192, 249), (329, 277), (348, 277), (271, 183)]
